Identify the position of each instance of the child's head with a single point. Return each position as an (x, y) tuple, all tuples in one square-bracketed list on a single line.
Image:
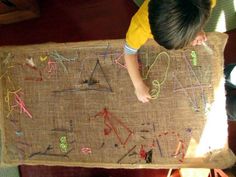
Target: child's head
[(175, 23)]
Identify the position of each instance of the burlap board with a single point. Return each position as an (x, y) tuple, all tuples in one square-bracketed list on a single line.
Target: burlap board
[(74, 104)]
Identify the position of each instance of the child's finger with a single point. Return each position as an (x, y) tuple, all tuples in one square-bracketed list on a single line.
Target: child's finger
[(145, 100), (149, 96), (142, 99)]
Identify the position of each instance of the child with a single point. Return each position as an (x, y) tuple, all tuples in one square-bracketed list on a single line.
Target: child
[(172, 23)]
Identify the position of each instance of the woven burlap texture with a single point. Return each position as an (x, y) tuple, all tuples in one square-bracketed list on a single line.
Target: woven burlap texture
[(74, 104)]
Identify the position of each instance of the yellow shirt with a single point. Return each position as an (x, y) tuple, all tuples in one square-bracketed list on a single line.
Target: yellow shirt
[(139, 30)]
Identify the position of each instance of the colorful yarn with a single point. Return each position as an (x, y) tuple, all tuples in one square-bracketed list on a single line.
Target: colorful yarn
[(118, 62), (180, 150), (51, 67), (60, 58), (109, 123), (194, 58), (19, 102), (155, 91), (63, 144), (7, 100), (142, 153), (3, 75), (42, 59), (86, 150), (21, 105)]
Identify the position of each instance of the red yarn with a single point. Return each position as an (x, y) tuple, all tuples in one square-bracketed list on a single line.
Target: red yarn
[(142, 153)]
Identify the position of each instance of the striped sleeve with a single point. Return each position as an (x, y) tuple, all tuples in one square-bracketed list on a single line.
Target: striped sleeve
[(129, 50)]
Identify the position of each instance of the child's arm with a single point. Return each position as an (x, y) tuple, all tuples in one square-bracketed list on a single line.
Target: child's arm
[(141, 90)]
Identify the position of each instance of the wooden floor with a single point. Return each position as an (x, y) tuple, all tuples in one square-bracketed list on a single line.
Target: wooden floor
[(79, 20)]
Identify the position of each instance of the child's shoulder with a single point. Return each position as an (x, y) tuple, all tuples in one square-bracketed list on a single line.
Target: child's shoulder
[(141, 15)]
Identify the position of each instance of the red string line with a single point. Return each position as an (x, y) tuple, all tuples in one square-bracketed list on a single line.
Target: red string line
[(51, 66), (180, 147), (108, 123), (20, 103), (142, 153), (7, 100), (118, 62), (86, 150)]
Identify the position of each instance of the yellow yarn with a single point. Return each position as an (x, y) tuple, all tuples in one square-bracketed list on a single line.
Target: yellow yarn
[(155, 92), (7, 100)]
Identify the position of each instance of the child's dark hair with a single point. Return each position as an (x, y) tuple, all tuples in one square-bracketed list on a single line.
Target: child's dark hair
[(175, 23)]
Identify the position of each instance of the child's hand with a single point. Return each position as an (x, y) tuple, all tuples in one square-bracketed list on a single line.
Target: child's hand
[(200, 38), (142, 92)]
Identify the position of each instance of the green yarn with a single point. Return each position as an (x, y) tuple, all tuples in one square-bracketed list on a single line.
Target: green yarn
[(194, 58), (63, 144)]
